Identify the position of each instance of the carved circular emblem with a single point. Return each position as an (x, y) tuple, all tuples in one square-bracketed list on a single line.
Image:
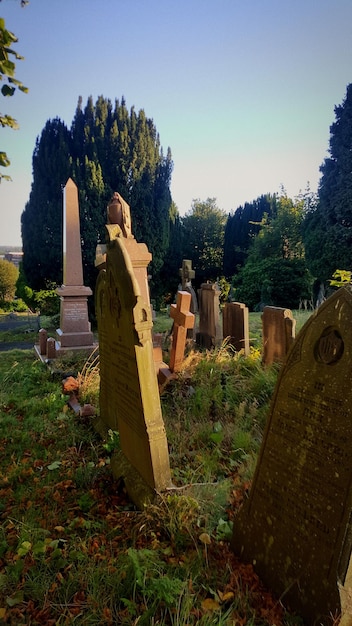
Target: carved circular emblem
[(329, 348)]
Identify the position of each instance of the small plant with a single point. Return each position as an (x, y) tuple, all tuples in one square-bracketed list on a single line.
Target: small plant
[(89, 378), (113, 442), (340, 278)]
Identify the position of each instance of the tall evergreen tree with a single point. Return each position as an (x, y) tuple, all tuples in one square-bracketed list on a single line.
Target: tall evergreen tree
[(107, 149), (169, 275), (328, 227), (42, 217), (241, 227)]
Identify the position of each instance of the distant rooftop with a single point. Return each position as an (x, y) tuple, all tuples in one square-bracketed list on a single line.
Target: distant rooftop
[(13, 257)]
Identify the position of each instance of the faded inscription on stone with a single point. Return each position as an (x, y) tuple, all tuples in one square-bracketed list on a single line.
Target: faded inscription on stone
[(129, 395), (295, 527)]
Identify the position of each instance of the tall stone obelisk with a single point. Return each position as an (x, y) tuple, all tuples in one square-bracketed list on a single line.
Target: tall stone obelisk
[(74, 332)]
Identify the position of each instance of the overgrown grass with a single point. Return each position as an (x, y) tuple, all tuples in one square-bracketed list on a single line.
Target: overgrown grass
[(73, 549)]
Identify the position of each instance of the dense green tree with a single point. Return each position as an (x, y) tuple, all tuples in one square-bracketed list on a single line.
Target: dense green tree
[(241, 227), (169, 276), (42, 217), (107, 149), (275, 272), (7, 75), (8, 279), (203, 238), (328, 226)]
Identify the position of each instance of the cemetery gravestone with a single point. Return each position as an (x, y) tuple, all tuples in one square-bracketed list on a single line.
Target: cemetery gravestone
[(208, 335), (235, 322), (43, 336), (296, 526), (129, 395), (187, 273), (119, 214), (278, 333), (74, 332), (183, 320), (51, 349)]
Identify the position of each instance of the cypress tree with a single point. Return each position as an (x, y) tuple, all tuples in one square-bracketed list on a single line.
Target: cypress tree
[(328, 227), (42, 217), (107, 149), (241, 227)]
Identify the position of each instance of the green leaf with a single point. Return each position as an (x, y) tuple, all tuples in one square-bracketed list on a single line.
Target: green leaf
[(39, 548), (4, 161), (24, 548), (16, 598), (216, 437), (54, 466), (7, 120), (3, 581), (6, 90), (224, 530)]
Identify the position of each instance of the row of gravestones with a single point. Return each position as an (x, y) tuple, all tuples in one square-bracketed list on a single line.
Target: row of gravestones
[(296, 525), (278, 328), (278, 323)]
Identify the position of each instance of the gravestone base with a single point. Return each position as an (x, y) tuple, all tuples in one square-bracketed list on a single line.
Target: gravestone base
[(71, 341), (61, 351), (138, 490), (165, 375), (86, 349), (74, 332)]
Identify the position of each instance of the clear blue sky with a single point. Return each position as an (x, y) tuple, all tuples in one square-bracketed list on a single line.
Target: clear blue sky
[(243, 91)]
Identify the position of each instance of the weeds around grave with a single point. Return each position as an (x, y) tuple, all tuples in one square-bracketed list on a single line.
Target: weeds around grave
[(73, 550)]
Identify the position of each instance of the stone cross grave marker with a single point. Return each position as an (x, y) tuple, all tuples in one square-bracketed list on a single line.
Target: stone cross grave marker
[(296, 526), (129, 395), (74, 331), (235, 323), (209, 335), (186, 273), (183, 320), (278, 333)]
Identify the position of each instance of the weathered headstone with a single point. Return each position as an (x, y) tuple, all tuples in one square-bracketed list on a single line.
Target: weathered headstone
[(296, 526), (129, 395), (119, 213), (51, 348), (209, 335), (74, 332), (43, 336), (278, 333), (183, 320), (235, 324)]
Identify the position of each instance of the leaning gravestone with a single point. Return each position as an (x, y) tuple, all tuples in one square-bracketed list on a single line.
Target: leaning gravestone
[(296, 526), (278, 333), (129, 395)]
